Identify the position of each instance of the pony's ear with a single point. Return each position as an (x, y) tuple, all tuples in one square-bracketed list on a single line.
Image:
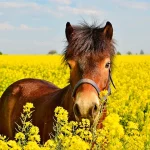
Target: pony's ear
[(69, 31), (108, 30)]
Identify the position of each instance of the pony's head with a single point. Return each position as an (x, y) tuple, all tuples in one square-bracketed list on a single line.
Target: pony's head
[(89, 53)]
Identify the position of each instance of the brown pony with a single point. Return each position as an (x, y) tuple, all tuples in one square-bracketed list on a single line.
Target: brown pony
[(89, 53)]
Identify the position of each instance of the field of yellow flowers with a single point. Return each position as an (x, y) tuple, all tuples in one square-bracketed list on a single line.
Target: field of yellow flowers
[(127, 126)]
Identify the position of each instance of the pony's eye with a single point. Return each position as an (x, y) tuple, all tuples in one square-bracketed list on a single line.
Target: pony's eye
[(107, 65)]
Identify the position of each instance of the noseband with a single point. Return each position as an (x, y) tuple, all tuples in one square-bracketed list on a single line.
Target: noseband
[(91, 82)]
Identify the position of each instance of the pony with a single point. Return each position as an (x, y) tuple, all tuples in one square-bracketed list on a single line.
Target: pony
[(89, 53)]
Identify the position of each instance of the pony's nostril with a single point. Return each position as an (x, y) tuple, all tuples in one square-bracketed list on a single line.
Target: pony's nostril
[(95, 108), (93, 111), (77, 110)]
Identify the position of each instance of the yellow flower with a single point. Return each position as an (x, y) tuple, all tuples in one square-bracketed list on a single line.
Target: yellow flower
[(77, 143), (34, 138), (34, 130), (20, 136), (50, 144), (85, 123), (32, 146), (103, 93), (27, 107), (132, 125), (13, 145), (66, 129), (3, 138), (28, 124), (3, 145), (61, 115)]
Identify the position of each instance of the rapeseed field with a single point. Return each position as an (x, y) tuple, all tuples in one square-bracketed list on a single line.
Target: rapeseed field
[(127, 125)]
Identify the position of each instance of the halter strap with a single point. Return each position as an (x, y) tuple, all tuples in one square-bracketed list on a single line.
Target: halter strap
[(91, 82), (88, 81)]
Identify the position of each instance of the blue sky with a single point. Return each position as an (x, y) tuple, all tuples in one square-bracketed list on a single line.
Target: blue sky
[(37, 26)]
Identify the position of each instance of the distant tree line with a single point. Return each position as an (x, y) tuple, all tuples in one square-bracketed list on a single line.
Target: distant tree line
[(141, 52), (118, 53), (52, 52), (130, 53)]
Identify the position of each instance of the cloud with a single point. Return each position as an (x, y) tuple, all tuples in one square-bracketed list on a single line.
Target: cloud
[(7, 27), (81, 11), (133, 4), (19, 5), (27, 28), (30, 7), (67, 2)]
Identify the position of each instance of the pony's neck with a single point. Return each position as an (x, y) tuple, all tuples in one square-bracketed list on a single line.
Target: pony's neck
[(67, 101)]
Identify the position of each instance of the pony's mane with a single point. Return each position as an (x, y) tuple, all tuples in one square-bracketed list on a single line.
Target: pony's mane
[(88, 39)]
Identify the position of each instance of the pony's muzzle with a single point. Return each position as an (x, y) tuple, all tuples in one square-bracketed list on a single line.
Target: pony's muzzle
[(88, 114), (86, 106)]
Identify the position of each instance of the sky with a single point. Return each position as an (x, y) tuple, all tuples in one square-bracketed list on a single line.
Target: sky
[(38, 26)]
